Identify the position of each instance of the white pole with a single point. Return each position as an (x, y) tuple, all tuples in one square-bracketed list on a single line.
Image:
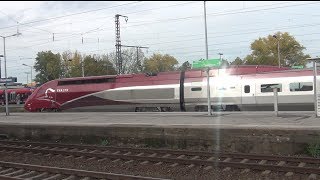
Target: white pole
[(315, 87), (207, 57), (275, 93), (5, 74), (279, 53), (82, 68), (208, 92), (31, 75)]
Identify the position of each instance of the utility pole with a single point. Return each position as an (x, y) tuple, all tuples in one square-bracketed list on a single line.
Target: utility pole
[(118, 43)]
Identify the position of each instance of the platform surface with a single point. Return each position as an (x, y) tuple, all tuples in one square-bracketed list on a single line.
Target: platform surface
[(285, 120)]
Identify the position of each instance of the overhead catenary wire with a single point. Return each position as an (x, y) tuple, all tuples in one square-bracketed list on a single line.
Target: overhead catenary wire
[(295, 5)]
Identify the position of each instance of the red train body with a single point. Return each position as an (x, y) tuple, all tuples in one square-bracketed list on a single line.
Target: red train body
[(15, 96), (130, 91)]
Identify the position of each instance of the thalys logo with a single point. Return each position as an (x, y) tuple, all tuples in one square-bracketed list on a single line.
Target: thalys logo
[(46, 93)]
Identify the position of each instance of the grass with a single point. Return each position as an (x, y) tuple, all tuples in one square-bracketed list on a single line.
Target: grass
[(314, 150), (104, 142)]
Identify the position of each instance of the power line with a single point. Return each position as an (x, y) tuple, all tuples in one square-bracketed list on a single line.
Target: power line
[(84, 12), (300, 26), (18, 23), (295, 26), (299, 4), (166, 20), (220, 14), (104, 17)]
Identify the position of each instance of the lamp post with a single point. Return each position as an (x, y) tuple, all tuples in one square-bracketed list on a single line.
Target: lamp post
[(207, 57), (30, 71), (5, 68), (275, 36), (27, 77)]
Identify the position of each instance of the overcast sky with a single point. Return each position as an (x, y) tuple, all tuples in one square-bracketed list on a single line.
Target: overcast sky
[(175, 28)]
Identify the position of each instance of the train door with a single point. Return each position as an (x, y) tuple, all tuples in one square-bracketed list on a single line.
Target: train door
[(12, 97), (248, 93)]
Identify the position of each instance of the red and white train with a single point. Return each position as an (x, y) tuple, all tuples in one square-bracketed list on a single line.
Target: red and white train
[(15, 95), (233, 88)]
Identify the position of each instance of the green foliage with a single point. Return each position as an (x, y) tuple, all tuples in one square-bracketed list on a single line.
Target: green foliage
[(314, 150), (51, 66), (160, 63), (48, 66), (237, 61), (265, 51), (104, 142), (92, 65)]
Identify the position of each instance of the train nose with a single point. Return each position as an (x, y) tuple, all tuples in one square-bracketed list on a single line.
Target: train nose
[(27, 106)]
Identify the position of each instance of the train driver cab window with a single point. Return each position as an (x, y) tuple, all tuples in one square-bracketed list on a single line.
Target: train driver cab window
[(246, 89), (301, 86), (269, 87)]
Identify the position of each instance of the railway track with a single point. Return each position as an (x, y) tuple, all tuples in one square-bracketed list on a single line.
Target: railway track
[(18, 171), (188, 159)]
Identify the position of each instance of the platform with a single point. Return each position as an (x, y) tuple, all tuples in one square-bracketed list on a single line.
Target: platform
[(255, 132)]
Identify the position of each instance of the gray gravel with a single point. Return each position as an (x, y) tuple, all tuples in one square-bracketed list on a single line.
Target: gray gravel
[(135, 168)]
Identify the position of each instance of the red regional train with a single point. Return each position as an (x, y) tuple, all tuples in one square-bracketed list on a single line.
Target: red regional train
[(166, 91), (16, 95)]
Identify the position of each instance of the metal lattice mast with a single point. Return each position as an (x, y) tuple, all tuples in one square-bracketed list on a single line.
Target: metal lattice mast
[(118, 43)]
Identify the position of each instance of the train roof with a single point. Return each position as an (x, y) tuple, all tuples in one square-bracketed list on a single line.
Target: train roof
[(285, 73), (232, 70)]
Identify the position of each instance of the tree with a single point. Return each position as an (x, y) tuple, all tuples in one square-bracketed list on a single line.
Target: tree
[(265, 51), (237, 61), (131, 63), (47, 66), (74, 65), (93, 65), (96, 66), (160, 63), (185, 66)]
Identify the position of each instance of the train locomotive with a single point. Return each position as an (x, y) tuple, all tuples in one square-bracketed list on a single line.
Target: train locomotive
[(234, 88)]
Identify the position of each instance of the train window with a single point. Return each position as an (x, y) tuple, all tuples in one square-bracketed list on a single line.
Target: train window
[(86, 81), (301, 86), (196, 89), (246, 89), (269, 87)]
